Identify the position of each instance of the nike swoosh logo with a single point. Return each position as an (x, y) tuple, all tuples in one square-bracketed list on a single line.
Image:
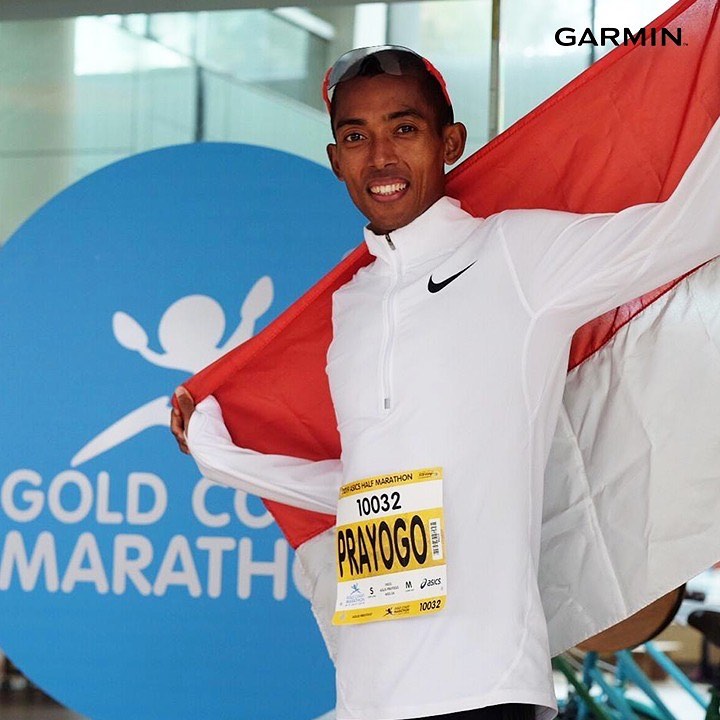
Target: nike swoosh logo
[(434, 287)]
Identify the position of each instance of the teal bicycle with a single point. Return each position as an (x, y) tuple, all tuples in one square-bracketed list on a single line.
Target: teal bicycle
[(598, 689)]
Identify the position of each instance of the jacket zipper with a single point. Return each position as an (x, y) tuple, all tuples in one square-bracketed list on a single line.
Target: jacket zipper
[(389, 328)]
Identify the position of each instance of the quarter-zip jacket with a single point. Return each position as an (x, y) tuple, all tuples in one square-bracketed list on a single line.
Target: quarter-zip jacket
[(469, 377)]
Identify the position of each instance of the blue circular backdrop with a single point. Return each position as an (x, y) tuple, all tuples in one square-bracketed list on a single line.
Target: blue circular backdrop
[(117, 594)]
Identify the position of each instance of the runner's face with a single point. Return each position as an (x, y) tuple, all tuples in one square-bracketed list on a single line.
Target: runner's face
[(388, 148)]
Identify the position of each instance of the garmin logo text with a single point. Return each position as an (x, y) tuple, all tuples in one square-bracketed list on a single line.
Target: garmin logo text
[(569, 37)]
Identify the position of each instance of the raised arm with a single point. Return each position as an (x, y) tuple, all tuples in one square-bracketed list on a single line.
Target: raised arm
[(583, 265), (301, 483)]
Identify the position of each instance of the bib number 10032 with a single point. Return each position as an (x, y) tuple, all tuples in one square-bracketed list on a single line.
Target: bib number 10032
[(376, 503)]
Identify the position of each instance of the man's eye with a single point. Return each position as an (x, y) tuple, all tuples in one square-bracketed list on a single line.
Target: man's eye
[(353, 137), (404, 129)]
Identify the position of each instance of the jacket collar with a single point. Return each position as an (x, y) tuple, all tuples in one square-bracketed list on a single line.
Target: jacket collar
[(440, 229)]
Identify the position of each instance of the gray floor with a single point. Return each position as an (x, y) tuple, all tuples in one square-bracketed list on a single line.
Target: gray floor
[(31, 705)]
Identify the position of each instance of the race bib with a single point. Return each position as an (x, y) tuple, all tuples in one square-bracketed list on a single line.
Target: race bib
[(390, 547)]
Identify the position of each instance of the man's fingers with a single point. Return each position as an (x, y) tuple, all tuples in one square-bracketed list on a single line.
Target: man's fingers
[(186, 405), (176, 424), (177, 427)]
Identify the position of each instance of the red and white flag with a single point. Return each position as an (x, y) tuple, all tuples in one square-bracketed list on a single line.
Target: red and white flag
[(632, 498)]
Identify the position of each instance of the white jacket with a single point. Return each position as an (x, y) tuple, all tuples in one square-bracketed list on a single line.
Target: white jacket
[(469, 377)]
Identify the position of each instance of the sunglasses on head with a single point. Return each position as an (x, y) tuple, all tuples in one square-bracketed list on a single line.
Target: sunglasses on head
[(390, 59)]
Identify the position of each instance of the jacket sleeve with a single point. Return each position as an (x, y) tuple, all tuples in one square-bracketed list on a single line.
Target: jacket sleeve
[(301, 483), (583, 265)]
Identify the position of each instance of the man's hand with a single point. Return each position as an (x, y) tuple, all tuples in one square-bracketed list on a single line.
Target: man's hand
[(179, 419)]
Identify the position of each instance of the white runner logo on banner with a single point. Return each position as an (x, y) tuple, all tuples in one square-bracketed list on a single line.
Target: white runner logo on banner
[(190, 332)]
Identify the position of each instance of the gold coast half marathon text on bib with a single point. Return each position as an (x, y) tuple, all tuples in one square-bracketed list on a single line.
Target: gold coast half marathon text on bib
[(390, 540)]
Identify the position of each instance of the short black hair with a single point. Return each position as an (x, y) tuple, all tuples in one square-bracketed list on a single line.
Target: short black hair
[(412, 66)]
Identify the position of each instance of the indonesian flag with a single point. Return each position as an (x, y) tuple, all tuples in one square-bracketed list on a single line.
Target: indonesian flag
[(632, 496)]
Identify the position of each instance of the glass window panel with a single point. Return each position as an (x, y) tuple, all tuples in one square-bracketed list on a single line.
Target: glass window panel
[(239, 112), (79, 94), (37, 110), (175, 30), (370, 24), (455, 36), (264, 48), (621, 14), (136, 23), (533, 65), (131, 93), (102, 48)]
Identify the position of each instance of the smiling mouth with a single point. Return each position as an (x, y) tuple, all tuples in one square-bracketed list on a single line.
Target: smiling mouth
[(388, 190)]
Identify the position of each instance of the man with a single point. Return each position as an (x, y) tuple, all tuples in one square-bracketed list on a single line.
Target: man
[(449, 353)]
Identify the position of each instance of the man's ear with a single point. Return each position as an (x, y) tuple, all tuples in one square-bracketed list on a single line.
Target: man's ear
[(332, 157), (454, 138)]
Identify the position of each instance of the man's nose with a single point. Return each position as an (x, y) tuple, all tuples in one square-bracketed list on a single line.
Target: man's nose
[(383, 152)]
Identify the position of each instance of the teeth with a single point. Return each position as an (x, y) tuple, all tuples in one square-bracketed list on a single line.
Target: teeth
[(387, 189)]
